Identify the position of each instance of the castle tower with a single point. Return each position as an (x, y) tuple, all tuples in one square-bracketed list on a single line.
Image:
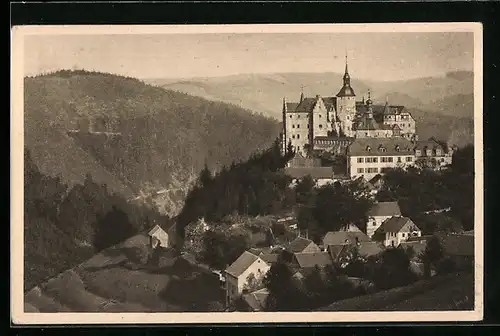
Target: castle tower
[(346, 103), (369, 106)]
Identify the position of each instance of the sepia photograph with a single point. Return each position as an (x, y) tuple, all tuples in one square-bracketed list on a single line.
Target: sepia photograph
[(247, 173)]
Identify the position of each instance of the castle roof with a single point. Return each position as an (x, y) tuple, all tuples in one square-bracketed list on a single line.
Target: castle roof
[(380, 147), (314, 172), (330, 102), (429, 144), (365, 123), (307, 105), (291, 107), (346, 91)]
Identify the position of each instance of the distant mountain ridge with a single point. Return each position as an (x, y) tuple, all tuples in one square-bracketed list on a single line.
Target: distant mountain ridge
[(446, 99), (166, 138)]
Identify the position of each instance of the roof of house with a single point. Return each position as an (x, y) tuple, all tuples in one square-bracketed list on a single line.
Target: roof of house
[(314, 172), (340, 237), (299, 244), (155, 229), (380, 147), (468, 233), (309, 260), (270, 258), (429, 144), (240, 265), (385, 209), (256, 300), (376, 180), (458, 244), (368, 249), (396, 223), (336, 250)]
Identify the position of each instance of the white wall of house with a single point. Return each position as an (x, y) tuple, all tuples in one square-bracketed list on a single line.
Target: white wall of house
[(235, 285), (369, 166), (395, 238), (162, 237)]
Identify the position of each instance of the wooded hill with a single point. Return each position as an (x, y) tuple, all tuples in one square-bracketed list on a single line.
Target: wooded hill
[(166, 136)]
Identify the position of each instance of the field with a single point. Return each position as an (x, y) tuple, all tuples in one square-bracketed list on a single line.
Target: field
[(452, 292), (112, 282)]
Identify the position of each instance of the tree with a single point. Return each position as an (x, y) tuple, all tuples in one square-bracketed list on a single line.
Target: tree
[(391, 269), (112, 229), (338, 205), (222, 247), (304, 190), (432, 254), (282, 288)]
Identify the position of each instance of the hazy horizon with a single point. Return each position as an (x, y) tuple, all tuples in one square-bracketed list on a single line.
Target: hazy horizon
[(371, 56)]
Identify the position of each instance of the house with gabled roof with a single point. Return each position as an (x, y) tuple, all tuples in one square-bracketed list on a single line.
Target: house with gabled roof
[(299, 245), (398, 229), (162, 235), (378, 213), (240, 271)]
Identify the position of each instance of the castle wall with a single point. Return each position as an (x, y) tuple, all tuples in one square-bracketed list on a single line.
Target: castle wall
[(298, 126), (319, 119)]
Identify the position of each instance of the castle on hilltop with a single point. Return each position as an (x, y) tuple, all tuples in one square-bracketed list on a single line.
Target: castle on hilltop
[(312, 122), (372, 138)]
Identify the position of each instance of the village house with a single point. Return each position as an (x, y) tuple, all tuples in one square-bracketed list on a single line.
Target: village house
[(378, 213), (398, 229), (162, 235), (299, 245), (238, 273)]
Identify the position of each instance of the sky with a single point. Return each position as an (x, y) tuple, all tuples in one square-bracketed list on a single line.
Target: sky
[(375, 56)]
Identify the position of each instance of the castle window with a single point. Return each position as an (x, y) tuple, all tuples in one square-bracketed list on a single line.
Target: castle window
[(293, 136), (290, 116), (399, 159), (360, 160), (320, 116), (298, 136), (298, 126), (409, 159), (320, 126), (360, 170)]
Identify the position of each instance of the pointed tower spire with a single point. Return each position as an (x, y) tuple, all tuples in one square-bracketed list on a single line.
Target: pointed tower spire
[(346, 70), (301, 93)]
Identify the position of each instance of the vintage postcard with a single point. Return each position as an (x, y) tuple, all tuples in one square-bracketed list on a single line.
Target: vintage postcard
[(247, 173)]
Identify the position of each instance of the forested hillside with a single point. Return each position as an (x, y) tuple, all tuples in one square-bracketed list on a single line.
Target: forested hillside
[(166, 136)]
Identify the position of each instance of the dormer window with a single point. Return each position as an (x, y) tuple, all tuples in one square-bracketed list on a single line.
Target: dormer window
[(397, 148), (418, 152), (368, 148)]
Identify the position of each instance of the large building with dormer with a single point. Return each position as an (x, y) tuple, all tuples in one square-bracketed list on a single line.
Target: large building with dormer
[(316, 121)]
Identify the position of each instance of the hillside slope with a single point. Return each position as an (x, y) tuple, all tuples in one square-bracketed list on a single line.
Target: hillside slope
[(166, 137)]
